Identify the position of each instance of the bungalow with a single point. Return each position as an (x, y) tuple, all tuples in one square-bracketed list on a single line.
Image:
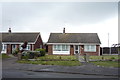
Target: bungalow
[(73, 43), (12, 41)]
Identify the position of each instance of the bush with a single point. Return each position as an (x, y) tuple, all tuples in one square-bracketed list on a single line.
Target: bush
[(42, 51), (30, 54), (25, 55), (15, 52), (112, 58)]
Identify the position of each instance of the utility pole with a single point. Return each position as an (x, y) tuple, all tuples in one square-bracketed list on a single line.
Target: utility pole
[(108, 45), (108, 39)]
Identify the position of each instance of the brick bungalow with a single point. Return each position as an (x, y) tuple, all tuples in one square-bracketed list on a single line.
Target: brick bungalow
[(12, 41), (73, 43)]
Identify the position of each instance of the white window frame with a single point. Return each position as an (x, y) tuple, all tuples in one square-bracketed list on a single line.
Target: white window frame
[(90, 48), (66, 48), (20, 47), (14, 46), (60, 48), (4, 47), (28, 47), (32, 47)]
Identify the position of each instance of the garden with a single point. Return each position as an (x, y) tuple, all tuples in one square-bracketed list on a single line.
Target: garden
[(4, 56), (40, 57)]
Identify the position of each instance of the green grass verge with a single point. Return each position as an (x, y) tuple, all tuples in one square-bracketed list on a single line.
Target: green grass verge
[(74, 57), (105, 57), (62, 63), (4, 56), (56, 57), (56, 60), (107, 63)]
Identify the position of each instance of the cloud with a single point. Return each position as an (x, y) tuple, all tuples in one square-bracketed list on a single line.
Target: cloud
[(46, 17), (102, 28)]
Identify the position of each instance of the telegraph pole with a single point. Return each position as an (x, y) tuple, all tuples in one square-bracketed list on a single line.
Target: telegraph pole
[(108, 45), (108, 39)]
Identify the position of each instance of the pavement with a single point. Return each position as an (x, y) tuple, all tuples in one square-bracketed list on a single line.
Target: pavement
[(85, 69)]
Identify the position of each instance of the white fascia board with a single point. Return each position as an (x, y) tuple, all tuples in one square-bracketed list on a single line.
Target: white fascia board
[(37, 38), (64, 43), (16, 42), (75, 43), (90, 43)]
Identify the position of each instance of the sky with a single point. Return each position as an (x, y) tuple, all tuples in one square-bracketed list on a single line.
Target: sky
[(52, 17)]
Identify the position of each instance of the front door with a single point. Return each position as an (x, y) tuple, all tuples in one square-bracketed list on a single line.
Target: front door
[(76, 49), (13, 47)]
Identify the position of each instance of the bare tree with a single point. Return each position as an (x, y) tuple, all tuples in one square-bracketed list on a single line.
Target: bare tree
[(117, 45), (24, 46)]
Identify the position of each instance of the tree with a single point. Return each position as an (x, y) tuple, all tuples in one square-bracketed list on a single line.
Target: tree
[(24, 45), (117, 45)]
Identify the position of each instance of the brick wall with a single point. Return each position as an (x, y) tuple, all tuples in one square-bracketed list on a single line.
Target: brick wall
[(50, 52), (9, 48), (38, 43), (71, 50), (31, 47), (91, 53)]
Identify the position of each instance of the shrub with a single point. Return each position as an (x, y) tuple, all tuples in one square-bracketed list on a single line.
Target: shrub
[(112, 58), (30, 54), (15, 52), (42, 51), (25, 55)]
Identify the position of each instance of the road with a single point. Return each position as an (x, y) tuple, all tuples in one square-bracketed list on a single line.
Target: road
[(11, 69), (30, 74)]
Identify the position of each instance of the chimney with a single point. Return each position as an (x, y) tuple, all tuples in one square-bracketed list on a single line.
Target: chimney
[(9, 30), (64, 30)]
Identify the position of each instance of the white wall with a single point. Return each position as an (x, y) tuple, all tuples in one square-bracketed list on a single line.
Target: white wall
[(61, 52)]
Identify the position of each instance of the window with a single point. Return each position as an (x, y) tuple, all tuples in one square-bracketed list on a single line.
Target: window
[(76, 47), (60, 48), (20, 47), (28, 47), (57, 47), (4, 47), (64, 48), (90, 48), (13, 46), (40, 46)]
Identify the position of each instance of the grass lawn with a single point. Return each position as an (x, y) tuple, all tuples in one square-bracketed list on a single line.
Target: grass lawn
[(57, 60), (62, 63), (57, 57), (54, 60), (105, 57), (107, 63), (3, 56)]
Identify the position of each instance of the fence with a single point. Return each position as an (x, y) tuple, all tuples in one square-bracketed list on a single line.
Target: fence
[(109, 50)]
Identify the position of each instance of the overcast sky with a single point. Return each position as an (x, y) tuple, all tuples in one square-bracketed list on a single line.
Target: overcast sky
[(76, 17)]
